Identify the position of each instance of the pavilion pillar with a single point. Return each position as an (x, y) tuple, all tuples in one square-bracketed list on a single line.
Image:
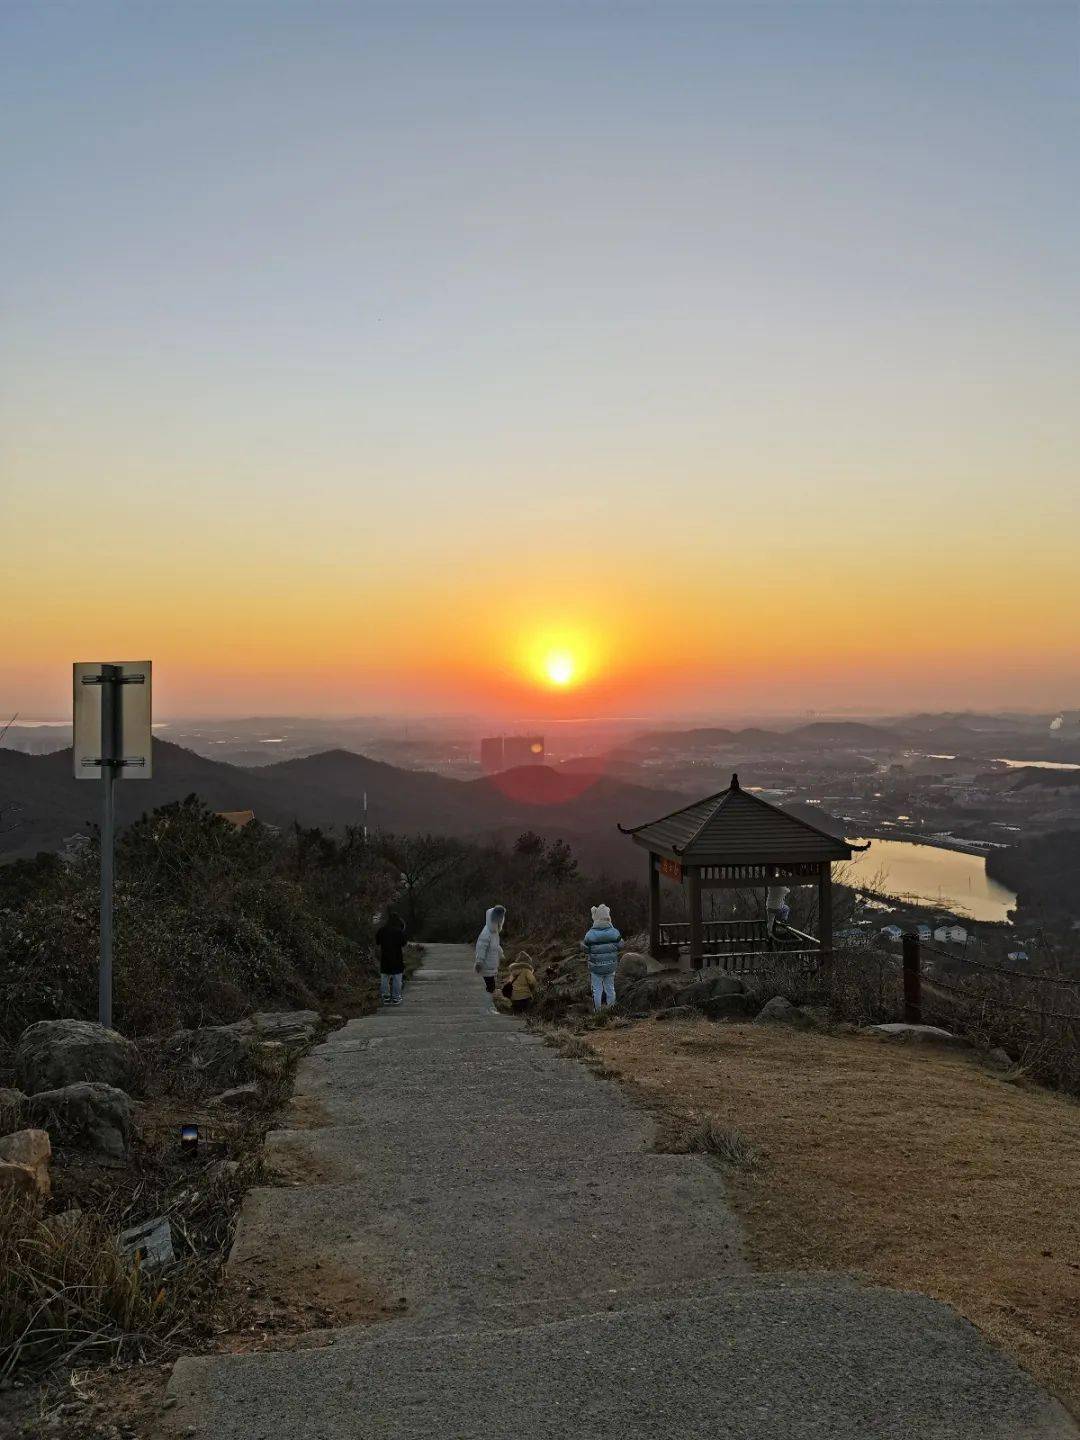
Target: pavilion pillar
[(654, 906), (825, 935), (697, 929)]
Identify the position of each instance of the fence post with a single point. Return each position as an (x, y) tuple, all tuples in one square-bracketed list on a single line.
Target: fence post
[(912, 980)]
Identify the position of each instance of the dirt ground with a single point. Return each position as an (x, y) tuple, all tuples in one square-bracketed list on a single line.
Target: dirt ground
[(913, 1167)]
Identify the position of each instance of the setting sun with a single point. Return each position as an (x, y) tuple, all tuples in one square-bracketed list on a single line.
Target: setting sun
[(560, 668)]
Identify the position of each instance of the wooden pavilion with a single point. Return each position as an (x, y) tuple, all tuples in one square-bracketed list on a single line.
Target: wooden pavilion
[(736, 841)]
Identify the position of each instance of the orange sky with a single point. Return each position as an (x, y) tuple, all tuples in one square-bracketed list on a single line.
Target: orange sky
[(359, 370)]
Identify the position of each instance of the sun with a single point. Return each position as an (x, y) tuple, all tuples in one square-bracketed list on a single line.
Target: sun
[(559, 667)]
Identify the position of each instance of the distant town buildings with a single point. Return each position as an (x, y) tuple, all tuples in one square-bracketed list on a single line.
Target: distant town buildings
[(506, 752), (951, 935)]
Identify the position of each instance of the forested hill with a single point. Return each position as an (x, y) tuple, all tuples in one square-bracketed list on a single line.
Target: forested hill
[(41, 802)]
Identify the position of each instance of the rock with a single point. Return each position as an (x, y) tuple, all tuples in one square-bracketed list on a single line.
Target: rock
[(676, 1012), (728, 1007), (218, 1053), (150, 1243), (18, 1178), (653, 991), (917, 1034), (633, 966), (240, 1097), (782, 1012), (290, 1027), (65, 1222), (32, 1149), (91, 1115), (55, 1053), (1000, 1059), (708, 986), (224, 1171)]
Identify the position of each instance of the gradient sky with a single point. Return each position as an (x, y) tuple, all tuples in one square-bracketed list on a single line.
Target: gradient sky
[(353, 355)]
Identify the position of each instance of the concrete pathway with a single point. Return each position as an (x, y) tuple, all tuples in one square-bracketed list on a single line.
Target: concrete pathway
[(558, 1277)]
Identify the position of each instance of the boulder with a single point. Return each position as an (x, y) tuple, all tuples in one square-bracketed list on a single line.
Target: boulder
[(709, 985), (917, 1034), (240, 1097), (55, 1053), (779, 1011), (634, 966), (89, 1114), (728, 1007), (19, 1179), (289, 1027), (1000, 1059), (676, 1012), (29, 1148), (653, 991), (219, 1054)]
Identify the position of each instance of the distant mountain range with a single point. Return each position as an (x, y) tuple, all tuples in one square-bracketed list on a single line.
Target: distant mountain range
[(829, 733), (41, 802)]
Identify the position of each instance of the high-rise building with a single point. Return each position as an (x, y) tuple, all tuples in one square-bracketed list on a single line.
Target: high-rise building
[(491, 754), (507, 752), (522, 750)]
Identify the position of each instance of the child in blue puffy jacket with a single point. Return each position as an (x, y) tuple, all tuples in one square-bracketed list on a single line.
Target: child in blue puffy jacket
[(603, 945)]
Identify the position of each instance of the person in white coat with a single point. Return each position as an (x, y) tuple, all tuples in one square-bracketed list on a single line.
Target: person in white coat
[(489, 952)]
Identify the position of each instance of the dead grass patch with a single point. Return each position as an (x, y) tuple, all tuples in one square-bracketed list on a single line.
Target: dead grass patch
[(914, 1168)]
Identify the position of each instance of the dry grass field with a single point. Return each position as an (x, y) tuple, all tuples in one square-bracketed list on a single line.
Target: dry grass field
[(911, 1166)]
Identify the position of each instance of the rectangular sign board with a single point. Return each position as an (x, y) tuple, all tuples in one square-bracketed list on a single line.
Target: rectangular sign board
[(134, 701), (671, 868)]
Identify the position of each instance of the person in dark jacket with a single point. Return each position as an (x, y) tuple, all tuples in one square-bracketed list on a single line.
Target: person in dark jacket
[(391, 939)]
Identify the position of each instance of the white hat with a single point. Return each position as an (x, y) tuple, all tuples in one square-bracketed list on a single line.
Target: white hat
[(601, 915)]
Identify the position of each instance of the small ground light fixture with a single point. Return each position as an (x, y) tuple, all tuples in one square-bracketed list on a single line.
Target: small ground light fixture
[(189, 1139)]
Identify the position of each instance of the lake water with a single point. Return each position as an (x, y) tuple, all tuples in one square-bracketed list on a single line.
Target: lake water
[(1038, 764), (903, 869)]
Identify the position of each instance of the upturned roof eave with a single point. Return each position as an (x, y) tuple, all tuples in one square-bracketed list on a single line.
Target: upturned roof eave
[(689, 855)]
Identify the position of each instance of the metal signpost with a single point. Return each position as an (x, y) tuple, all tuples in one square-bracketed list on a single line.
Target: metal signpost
[(111, 741)]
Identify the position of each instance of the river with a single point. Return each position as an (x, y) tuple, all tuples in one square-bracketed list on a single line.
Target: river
[(951, 879)]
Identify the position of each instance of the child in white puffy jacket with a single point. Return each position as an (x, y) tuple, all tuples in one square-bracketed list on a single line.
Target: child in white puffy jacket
[(489, 952)]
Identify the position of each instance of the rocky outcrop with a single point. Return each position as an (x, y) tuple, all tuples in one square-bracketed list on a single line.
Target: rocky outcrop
[(699, 991), (221, 1054), (292, 1028), (916, 1034), (218, 1054), (736, 1006), (240, 1097), (653, 991), (779, 1011), (56, 1053), (24, 1162), (89, 1115)]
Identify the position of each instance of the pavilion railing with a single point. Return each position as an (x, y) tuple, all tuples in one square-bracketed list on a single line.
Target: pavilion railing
[(717, 935), (750, 962), (742, 947)]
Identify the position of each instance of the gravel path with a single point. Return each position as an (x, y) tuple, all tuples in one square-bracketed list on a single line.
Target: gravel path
[(558, 1277)]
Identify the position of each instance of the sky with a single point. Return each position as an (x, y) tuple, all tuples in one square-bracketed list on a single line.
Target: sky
[(374, 357)]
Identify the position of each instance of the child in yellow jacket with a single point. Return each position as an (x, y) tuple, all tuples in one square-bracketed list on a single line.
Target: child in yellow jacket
[(522, 987)]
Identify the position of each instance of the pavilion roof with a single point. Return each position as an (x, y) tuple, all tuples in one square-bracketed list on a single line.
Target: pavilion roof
[(736, 826)]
